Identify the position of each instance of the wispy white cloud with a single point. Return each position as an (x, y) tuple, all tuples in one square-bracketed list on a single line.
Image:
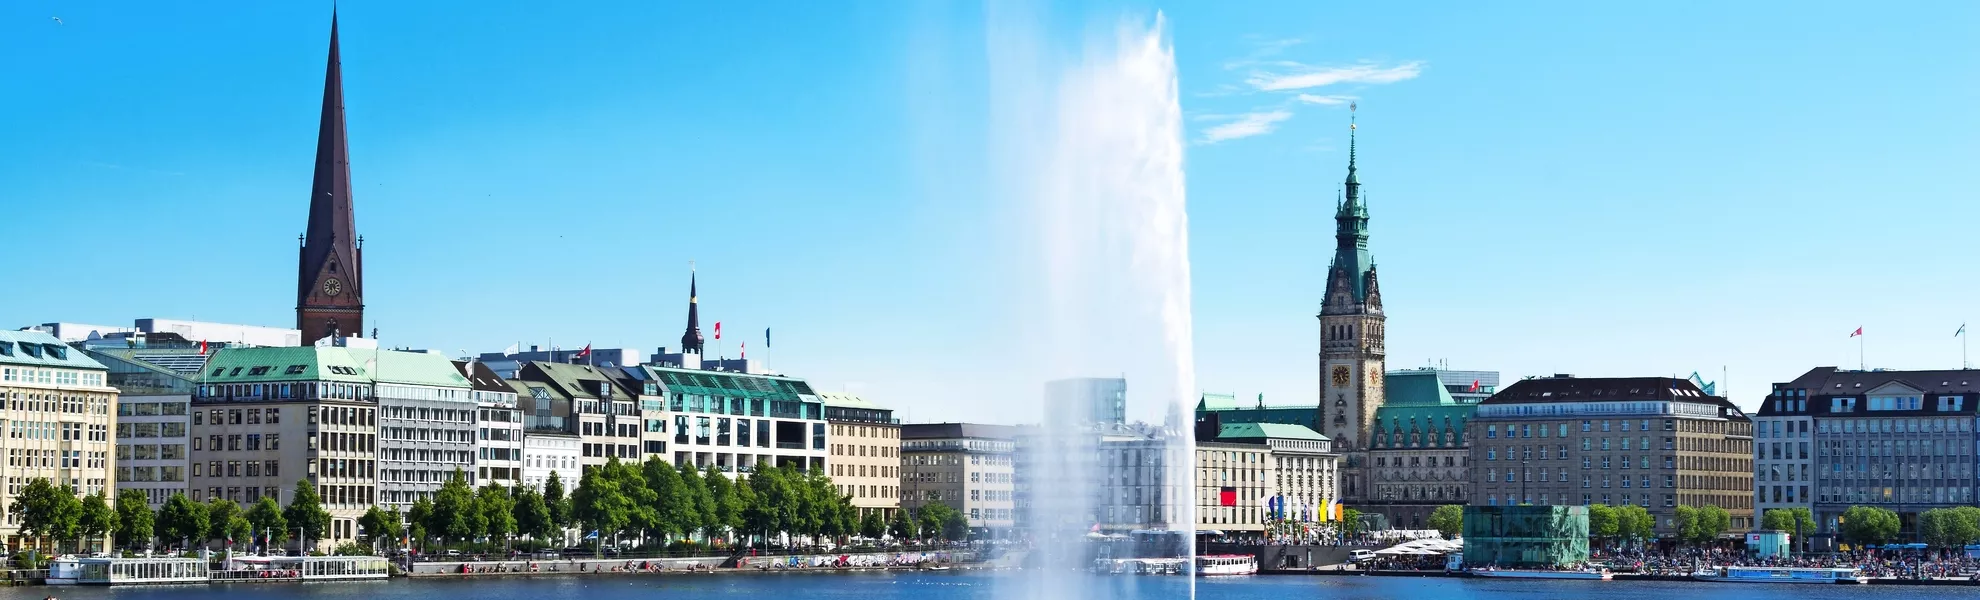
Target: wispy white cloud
[(1326, 100), (1247, 125), (1305, 77)]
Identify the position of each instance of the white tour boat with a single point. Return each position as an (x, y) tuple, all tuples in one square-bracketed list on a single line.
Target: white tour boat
[(1215, 565), (1784, 575), (1590, 574)]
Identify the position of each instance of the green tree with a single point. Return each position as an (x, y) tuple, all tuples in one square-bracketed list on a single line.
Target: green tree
[(871, 526), (1449, 520), (379, 525), (417, 519), (98, 519), (600, 504), (1869, 525), (42, 510), (642, 503), (670, 501), (700, 512), (305, 512), (1350, 522), (497, 509), (1712, 521), (902, 527), (267, 520), (557, 502), (239, 529), (220, 514), (1795, 521), (180, 520), (772, 501), (532, 515), (940, 521), (454, 516), (1950, 527), (1685, 523), (1635, 523), (725, 501), (1602, 522)]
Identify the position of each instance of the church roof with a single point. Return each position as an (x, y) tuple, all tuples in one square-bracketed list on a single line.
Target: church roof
[(332, 227)]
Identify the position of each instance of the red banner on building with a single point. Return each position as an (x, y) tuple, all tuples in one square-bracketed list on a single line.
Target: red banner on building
[(1227, 497)]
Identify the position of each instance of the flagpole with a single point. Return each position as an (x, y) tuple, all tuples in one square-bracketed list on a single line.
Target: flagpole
[(1862, 364)]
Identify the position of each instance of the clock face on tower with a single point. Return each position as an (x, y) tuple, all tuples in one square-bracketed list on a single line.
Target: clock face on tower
[(332, 287), (1340, 375)]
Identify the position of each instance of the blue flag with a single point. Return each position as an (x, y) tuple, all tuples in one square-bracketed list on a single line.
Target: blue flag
[(766, 337)]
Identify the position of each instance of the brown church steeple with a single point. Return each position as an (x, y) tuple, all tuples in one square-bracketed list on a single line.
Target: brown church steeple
[(330, 274)]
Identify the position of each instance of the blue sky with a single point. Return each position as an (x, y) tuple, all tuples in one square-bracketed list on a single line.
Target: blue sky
[(1560, 188)]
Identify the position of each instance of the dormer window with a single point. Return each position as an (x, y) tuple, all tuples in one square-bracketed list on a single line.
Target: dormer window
[(6, 348)]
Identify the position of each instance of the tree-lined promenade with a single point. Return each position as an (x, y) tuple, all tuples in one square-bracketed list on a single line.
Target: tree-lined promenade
[(653, 505)]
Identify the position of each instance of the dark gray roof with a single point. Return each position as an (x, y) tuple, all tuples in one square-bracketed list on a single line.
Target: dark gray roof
[(930, 431), (1825, 383), (1563, 388)]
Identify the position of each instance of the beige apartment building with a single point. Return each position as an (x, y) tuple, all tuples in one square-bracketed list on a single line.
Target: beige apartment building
[(1653, 442), (265, 418), (1233, 482), (865, 458), (55, 410)]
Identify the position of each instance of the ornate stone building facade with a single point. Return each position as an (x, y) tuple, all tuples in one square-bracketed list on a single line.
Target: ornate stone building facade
[(1418, 457)]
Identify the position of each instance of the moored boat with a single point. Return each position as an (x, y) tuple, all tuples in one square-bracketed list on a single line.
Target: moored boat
[(1215, 565), (1589, 574), (1828, 575)]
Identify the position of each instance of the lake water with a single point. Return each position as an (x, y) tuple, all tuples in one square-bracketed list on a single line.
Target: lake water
[(932, 586)]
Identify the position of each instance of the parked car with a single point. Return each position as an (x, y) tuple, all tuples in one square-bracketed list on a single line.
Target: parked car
[(1359, 556)]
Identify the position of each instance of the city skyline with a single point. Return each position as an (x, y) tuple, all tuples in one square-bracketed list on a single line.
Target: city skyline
[(596, 188)]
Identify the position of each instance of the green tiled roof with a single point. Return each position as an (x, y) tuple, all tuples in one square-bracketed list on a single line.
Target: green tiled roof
[(1240, 431), (348, 365), (411, 368), (1415, 388), (1417, 402), (1217, 402), (37, 349)]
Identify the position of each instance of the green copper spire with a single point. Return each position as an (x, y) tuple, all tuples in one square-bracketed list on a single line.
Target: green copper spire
[(1351, 227)]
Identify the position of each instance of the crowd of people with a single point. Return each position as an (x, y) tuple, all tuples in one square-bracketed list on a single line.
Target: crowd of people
[(1894, 564)]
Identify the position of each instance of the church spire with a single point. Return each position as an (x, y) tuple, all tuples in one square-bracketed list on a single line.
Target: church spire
[(691, 340), (329, 282)]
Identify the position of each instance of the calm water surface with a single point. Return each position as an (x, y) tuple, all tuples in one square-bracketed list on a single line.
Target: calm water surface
[(921, 586)]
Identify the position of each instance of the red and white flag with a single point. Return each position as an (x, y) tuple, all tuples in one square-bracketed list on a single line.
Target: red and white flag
[(742, 350), (1859, 331), (202, 347), (1474, 385), (583, 353), (718, 330)]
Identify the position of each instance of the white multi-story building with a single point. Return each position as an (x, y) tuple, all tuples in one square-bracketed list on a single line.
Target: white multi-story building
[(550, 452), (235, 335), (735, 421), (499, 435), (426, 424), (55, 410)]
